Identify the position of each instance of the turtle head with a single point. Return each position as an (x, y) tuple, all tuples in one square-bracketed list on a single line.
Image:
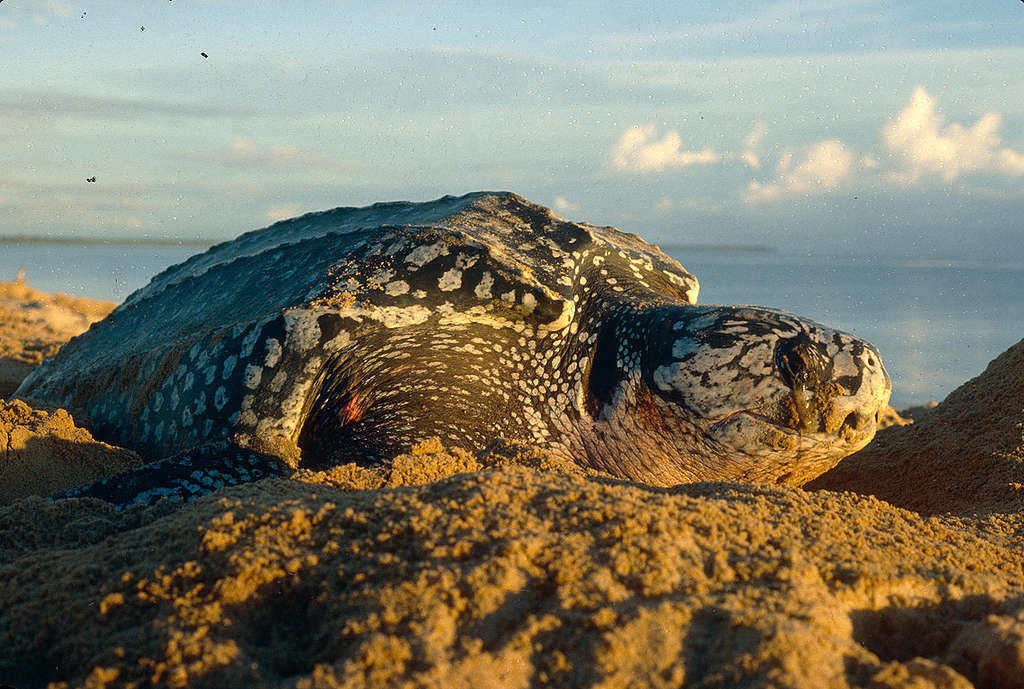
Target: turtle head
[(730, 393)]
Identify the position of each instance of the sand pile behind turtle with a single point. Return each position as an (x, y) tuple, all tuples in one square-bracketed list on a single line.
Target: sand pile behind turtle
[(964, 456), (34, 324)]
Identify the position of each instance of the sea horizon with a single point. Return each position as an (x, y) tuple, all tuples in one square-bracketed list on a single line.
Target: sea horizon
[(937, 321)]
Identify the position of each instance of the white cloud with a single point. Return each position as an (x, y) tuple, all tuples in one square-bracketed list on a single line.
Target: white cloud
[(755, 136), (281, 212), (923, 144), (638, 151), (284, 151), (563, 205), (243, 147), (245, 152), (751, 159), (821, 167), (919, 144), (750, 154), (38, 12), (58, 7)]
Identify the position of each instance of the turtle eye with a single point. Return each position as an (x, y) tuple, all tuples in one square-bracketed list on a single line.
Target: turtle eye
[(791, 358)]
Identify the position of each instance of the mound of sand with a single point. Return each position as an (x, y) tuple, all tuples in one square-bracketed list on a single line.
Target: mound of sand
[(508, 577), (34, 325), (508, 568), (43, 453)]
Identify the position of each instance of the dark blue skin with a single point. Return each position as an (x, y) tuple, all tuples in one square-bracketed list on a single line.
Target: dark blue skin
[(186, 476)]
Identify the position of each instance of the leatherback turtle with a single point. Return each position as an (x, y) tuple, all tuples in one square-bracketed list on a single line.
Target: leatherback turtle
[(352, 334)]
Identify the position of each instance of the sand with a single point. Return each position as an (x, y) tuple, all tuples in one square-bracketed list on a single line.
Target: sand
[(34, 324), (44, 453), (506, 568)]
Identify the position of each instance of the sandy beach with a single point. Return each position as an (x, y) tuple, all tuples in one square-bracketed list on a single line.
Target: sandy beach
[(503, 567)]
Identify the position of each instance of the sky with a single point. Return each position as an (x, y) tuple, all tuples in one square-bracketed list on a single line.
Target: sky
[(834, 127)]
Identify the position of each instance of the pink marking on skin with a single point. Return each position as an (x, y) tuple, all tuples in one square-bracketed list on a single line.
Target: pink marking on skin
[(353, 410)]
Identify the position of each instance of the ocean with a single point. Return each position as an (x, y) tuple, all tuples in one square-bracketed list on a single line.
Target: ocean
[(937, 323)]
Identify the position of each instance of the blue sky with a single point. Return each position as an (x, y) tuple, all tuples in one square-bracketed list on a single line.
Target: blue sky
[(810, 126)]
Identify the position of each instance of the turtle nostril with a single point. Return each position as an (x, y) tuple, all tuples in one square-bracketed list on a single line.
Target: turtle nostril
[(853, 420)]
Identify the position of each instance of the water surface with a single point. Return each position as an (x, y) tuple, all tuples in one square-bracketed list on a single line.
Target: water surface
[(937, 323)]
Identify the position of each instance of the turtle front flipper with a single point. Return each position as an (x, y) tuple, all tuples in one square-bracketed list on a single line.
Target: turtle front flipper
[(185, 476)]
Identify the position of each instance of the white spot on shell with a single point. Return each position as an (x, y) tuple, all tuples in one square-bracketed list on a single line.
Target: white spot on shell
[(278, 381), (663, 376), (684, 346), (273, 352), (252, 375), (397, 287), (483, 288), (425, 254), (451, 280), (844, 364), (303, 330)]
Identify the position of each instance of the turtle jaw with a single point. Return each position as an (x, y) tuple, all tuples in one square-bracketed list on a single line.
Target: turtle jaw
[(800, 445), (747, 430)]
